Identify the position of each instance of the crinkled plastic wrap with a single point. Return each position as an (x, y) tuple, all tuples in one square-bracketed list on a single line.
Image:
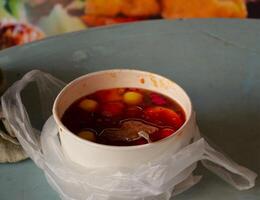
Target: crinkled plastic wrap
[(159, 179)]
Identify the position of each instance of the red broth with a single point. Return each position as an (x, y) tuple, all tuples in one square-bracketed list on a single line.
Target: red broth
[(123, 109)]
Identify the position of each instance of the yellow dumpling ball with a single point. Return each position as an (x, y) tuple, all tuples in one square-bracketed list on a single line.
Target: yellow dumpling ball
[(133, 98), (87, 135), (88, 105)]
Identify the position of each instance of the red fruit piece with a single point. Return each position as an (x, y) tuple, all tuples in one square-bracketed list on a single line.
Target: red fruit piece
[(166, 132), (157, 99), (110, 95), (112, 109), (161, 134), (163, 116)]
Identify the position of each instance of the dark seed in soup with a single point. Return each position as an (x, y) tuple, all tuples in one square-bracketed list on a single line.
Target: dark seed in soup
[(124, 117)]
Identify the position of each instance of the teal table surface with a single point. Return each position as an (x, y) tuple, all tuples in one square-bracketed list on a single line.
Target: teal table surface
[(216, 61)]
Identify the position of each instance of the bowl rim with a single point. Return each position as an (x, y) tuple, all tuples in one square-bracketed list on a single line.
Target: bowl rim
[(112, 147)]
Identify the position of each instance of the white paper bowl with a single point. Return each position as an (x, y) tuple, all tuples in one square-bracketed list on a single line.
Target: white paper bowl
[(91, 154)]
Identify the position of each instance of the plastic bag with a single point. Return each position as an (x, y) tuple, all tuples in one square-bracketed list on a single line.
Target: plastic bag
[(158, 180)]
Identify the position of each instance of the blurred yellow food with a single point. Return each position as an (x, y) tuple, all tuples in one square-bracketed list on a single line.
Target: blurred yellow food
[(130, 8), (140, 8), (88, 105), (133, 98), (103, 7), (87, 135), (203, 8)]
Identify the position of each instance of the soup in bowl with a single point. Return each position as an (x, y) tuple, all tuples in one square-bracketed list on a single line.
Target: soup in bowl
[(122, 118)]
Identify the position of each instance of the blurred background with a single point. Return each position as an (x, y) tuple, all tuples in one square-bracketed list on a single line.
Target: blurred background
[(23, 21)]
